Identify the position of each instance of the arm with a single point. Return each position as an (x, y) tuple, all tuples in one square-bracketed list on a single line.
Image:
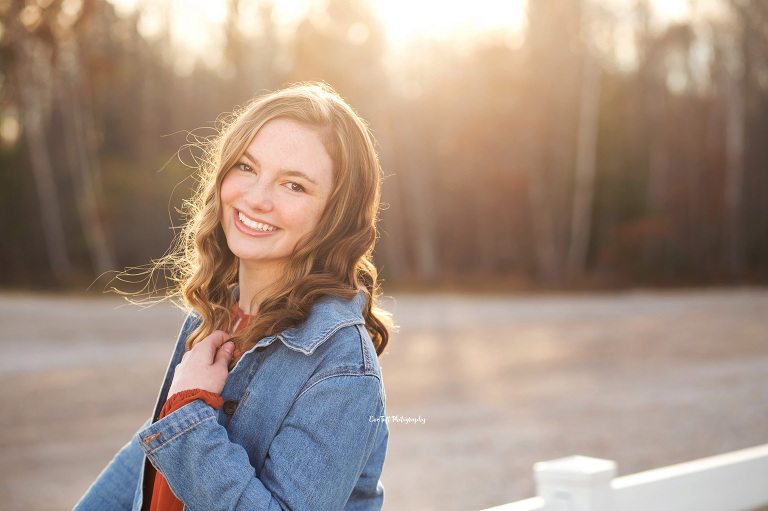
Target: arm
[(313, 462), (115, 487)]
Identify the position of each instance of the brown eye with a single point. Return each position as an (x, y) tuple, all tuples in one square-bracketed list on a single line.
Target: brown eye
[(295, 187)]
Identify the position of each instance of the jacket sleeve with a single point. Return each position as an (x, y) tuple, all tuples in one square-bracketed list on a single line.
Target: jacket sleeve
[(313, 463), (115, 487)]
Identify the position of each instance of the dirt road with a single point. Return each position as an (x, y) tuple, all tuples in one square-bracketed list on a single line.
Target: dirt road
[(490, 384)]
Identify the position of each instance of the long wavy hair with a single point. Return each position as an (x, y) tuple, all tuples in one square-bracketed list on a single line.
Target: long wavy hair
[(334, 259)]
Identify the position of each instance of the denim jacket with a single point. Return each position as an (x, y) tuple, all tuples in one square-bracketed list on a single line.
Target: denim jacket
[(300, 427)]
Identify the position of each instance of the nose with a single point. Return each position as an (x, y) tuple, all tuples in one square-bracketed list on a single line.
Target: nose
[(258, 196)]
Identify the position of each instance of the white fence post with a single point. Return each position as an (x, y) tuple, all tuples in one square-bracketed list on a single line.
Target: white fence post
[(576, 483)]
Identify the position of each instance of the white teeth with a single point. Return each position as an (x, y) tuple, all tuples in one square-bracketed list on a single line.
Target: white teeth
[(256, 226)]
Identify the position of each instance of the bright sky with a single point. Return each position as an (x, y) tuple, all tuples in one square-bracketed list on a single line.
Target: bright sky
[(403, 20)]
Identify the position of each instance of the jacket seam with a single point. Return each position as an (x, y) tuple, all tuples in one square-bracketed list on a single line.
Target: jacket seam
[(344, 370), (310, 347), (366, 361), (334, 374), (179, 433)]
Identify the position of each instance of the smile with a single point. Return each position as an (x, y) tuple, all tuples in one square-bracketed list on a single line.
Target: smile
[(256, 226)]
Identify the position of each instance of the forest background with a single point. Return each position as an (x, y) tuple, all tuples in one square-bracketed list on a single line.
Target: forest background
[(594, 144), (541, 144)]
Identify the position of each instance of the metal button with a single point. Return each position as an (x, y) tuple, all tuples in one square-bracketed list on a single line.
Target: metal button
[(230, 407)]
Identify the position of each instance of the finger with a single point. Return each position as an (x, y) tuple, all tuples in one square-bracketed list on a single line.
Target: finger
[(224, 355), (217, 338), (212, 343)]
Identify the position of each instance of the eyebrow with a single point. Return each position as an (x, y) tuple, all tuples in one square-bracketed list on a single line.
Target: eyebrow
[(288, 172)]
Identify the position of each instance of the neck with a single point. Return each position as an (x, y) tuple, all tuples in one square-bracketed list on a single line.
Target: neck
[(255, 282)]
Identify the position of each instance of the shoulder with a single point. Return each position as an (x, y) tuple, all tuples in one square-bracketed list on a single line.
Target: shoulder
[(351, 347), (337, 345), (347, 362)]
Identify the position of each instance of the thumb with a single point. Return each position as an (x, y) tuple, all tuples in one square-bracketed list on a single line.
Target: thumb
[(224, 354), (211, 345)]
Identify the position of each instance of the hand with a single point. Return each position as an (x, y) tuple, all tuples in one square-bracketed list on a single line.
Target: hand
[(205, 366)]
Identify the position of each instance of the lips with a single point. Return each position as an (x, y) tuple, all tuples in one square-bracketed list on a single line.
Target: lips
[(255, 224)]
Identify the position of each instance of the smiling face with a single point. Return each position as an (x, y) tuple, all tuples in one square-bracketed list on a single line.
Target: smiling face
[(275, 194)]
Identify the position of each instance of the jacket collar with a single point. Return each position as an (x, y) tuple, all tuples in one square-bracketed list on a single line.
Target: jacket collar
[(328, 315)]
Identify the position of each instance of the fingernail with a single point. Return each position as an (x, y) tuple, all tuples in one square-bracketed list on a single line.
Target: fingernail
[(228, 347)]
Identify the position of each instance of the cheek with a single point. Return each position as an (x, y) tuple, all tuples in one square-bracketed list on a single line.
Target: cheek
[(228, 191), (313, 216), (306, 219)]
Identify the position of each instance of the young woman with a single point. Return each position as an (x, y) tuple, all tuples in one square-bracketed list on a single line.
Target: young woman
[(273, 398)]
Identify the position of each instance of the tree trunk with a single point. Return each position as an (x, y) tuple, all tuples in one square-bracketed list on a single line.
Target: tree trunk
[(424, 238), (83, 157), (31, 68), (586, 149), (542, 217), (392, 226), (554, 112), (655, 246), (735, 118)]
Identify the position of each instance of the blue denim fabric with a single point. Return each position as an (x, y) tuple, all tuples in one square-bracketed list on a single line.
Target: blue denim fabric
[(300, 438)]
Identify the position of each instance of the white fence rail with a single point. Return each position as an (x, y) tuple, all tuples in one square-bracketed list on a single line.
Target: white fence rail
[(735, 481)]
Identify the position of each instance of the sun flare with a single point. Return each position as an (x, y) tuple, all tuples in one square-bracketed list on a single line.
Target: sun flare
[(404, 20), (196, 25)]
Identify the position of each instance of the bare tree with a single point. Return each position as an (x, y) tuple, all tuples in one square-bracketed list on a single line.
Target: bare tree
[(82, 154), (586, 152), (733, 80), (34, 72), (552, 145)]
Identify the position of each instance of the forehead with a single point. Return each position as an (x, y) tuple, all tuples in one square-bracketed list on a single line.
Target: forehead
[(283, 143), (283, 131)]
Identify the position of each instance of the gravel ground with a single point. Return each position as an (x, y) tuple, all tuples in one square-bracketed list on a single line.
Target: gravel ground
[(646, 379)]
